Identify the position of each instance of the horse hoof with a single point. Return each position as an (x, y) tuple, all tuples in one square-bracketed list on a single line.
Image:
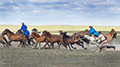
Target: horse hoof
[(75, 48), (32, 47), (114, 48), (85, 48)]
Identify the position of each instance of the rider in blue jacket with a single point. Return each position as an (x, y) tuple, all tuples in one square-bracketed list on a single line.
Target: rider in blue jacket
[(23, 27), (26, 32), (93, 31)]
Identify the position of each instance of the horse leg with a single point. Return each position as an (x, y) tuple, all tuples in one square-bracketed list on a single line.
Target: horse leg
[(34, 44), (24, 42), (28, 41), (58, 45), (39, 45), (6, 41), (81, 45), (111, 47), (64, 44), (45, 44), (69, 47), (49, 46), (102, 48), (19, 44), (3, 43), (72, 46), (9, 43), (52, 45), (32, 41)]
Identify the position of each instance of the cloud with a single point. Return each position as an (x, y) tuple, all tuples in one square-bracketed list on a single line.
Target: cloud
[(60, 10)]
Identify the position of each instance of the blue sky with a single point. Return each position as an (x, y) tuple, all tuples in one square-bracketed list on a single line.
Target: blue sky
[(60, 12)]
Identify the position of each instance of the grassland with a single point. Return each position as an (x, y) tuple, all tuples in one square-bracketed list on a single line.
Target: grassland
[(14, 57), (55, 28), (28, 57)]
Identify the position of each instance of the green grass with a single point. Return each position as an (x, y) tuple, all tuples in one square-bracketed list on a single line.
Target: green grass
[(12, 57)]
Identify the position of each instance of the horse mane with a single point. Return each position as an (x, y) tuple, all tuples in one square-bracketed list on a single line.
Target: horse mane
[(36, 34), (86, 30), (46, 33), (9, 31), (19, 32), (34, 29)]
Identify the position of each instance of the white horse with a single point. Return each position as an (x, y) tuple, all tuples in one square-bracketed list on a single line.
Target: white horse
[(90, 41)]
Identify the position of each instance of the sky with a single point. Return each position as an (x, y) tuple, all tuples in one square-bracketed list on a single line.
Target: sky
[(60, 12)]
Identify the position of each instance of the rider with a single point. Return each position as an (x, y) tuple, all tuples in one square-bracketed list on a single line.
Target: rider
[(103, 42), (23, 27), (93, 31), (25, 31), (101, 38)]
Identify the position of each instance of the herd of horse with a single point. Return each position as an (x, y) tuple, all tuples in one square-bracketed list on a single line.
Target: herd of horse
[(49, 38)]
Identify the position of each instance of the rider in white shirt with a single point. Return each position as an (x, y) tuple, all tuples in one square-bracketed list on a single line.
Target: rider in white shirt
[(102, 38), (103, 42)]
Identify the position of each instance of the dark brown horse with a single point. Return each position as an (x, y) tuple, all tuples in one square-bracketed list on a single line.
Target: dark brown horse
[(50, 38), (70, 40), (111, 35), (22, 34), (14, 37), (3, 40), (81, 35), (38, 38)]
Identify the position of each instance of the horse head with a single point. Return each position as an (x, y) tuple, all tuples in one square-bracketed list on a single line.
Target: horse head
[(6, 31), (114, 33), (34, 34), (46, 33), (60, 31), (86, 32)]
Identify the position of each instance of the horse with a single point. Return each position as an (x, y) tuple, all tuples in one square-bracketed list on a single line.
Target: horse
[(85, 37), (23, 35), (70, 40), (14, 37), (111, 35), (31, 39), (38, 38), (52, 39), (3, 40)]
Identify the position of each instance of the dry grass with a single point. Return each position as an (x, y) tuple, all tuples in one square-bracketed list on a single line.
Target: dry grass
[(12, 57)]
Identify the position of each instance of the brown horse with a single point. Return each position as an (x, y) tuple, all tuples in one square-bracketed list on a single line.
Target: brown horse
[(70, 40), (111, 35), (23, 35), (52, 39), (38, 38), (3, 40), (14, 37)]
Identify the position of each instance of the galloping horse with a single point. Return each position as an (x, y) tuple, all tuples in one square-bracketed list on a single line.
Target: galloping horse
[(111, 35), (22, 34), (14, 37), (52, 39), (2, 38), (70, 40), (38, 38)]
